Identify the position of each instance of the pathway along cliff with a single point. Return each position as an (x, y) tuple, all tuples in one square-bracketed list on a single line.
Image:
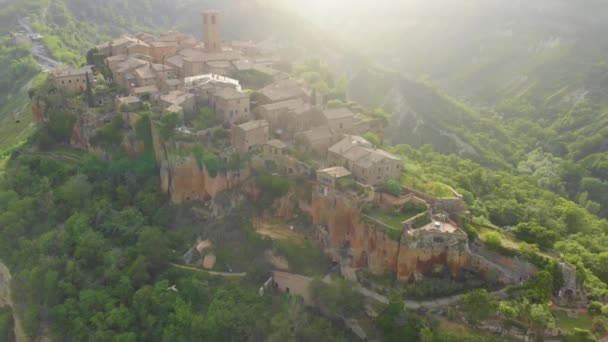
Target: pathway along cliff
[(5, 300)]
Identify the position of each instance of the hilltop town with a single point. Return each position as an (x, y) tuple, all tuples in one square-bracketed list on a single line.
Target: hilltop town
[(228, 119)]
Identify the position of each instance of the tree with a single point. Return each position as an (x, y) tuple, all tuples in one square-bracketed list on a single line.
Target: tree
[(535, 233), (478, 305), (391, 186), (75, 192), (153, 246), (168, 123), (372, 138)]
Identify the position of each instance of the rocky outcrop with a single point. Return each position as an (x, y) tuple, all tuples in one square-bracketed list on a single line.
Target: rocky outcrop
[(184, 180), (38, 110), (343, 230), (363, 242)]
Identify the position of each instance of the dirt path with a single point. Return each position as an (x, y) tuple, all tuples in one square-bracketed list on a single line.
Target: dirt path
[(5, 300), (277, 231), (221, 274)]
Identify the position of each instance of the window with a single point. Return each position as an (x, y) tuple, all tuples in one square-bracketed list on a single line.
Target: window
[(205, 20), (341, 126), (69, 81), (213, 19), (62, 82), (246, 110)]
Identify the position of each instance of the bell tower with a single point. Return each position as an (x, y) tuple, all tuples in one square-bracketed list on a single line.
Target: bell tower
[(211, 31)]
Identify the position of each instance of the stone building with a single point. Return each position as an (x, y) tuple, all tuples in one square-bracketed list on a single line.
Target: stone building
[(250, 134), (284, 90), (440, 246), (328, 178), (286, 118), (231, 105), (369, 165), (316, 140), (72, 80), (341, 120)]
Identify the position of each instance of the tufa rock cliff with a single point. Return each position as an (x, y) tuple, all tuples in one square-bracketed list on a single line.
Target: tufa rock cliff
[(356, 239)]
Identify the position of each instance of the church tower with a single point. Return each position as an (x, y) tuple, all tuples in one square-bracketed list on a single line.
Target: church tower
[(211, 31)]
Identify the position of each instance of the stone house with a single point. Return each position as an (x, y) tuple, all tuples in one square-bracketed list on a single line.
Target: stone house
[(286, 118), (369, 165), (118, 46), (316, 140), (328, 177), (138, 47), (341, 120), (145, 76), (123, 72), (160, 50), (72, 80), (250, 134), (284, 90), (274, 148), (231, 105), (128, 103)]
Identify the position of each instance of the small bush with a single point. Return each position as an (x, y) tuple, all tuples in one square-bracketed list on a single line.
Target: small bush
[(493, 240)]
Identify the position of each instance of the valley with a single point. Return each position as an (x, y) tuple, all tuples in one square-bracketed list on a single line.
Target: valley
[(292, 185)]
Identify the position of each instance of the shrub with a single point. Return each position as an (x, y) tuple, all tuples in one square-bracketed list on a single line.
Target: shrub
[(493, 240), (595, 308), (391, 186)]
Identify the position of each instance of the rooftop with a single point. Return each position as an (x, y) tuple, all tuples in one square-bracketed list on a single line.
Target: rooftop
[(282, 90), (73, 72), (219, 64), (145, 90), (437, 226), (288, 105), (319, 133), (176, 97), (177, 60), (174, 82), (128, 100), (337, 172), (255, 124), (338, 113), (162, 44), (145, 72), (276, 143), (228, 93)]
